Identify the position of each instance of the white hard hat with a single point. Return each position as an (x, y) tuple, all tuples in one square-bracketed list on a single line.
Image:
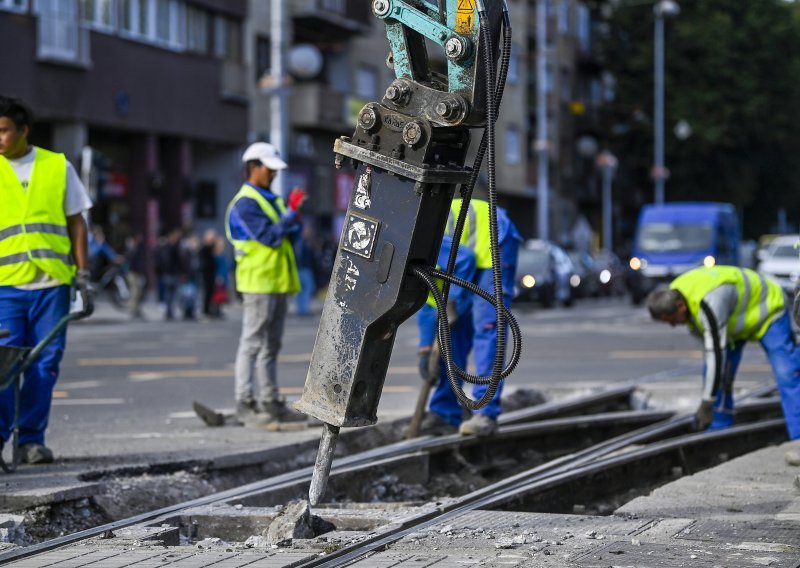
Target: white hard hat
[(265, 153)]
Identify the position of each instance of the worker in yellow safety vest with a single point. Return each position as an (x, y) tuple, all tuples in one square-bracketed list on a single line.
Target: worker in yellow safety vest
[(43, 249), (728, 306), (261, 229)]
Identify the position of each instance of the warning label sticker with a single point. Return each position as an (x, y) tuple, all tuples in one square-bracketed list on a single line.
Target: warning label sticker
[(465, 16)]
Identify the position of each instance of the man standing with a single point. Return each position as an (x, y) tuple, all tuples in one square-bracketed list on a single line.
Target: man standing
[(729, 306), (476, 236), (261, 230), (43, 239)]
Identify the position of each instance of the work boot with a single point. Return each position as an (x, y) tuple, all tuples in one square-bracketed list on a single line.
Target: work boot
[(277, 411), (478, 425), (35, 454), (792, 457), (434, 425), (247, 414), (208, 415)]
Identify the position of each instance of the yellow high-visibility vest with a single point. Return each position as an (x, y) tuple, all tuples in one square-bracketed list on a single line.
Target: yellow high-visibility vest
[(33, 223), (760, 299), (261, 269), (476, 234)]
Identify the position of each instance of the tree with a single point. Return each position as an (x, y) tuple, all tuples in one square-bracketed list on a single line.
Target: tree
[(732, 73)]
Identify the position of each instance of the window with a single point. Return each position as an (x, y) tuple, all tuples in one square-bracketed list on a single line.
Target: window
[(228, 39), (197, 22), (563, 17), (14, 5), (366, 87), (99, 14), (133, 17), (338, 6), (513, 67), (159, 21), (584, 28), (263, 57), (58, 29), (512, 143)]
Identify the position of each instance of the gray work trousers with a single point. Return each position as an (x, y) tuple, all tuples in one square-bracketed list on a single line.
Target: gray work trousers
[(263, 321)]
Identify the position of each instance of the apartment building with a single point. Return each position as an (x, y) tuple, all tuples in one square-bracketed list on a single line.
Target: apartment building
[(146, 98)]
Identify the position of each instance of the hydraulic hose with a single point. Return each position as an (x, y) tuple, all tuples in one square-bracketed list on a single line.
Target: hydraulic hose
[(494, 94), (454, 373)]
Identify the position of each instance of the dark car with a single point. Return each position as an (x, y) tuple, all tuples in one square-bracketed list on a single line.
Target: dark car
[(588, 281), (543, 274), (612, 273)]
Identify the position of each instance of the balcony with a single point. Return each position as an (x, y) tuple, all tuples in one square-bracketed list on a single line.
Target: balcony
[(314, 106), (330, 20)]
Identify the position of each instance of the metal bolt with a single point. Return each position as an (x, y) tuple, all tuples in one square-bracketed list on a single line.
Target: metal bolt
[(412, 133), (397, 92), (380, 7), (367, 119), (449, 109), (454, 48)]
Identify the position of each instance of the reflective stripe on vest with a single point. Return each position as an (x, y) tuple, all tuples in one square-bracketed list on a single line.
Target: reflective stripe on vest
[(261, 269), (476, 233), (760, 300), (33, 224)]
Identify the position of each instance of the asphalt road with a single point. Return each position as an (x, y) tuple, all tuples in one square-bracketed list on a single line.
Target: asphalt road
[(126, 387)]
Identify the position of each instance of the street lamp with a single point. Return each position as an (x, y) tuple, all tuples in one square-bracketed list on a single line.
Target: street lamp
[(663, 9), (607, 162)]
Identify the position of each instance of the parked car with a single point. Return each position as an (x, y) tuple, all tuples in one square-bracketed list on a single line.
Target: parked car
[(780, 260), (587, 271), (544, 272), (611, 274)]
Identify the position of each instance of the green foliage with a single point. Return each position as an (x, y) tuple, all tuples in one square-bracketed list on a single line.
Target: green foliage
[(732, 72)]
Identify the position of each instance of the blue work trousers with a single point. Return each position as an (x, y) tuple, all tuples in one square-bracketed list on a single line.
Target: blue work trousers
[(443, 401), (784, 356), (30, 315), (484, 321)]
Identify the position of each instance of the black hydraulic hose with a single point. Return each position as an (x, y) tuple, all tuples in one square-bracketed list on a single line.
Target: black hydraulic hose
[(494, 94), (466, 190), (429, 275)]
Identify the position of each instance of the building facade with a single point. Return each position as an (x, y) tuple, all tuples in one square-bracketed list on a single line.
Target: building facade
[(146, 98)]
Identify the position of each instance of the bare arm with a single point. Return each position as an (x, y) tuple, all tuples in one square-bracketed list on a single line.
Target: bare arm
[(78, 235)]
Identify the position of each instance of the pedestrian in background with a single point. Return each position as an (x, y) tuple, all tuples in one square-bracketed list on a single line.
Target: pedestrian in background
[(220, 295), (728, 306), (168, 267), (44, 241), (208, 269), (476, 236), (306, 269), (189, 277), (261, 229), (135, 257)]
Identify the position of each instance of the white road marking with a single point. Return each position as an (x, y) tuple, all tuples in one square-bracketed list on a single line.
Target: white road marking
[(88, 401)]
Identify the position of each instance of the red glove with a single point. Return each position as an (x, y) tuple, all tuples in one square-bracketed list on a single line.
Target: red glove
[(296, 198)]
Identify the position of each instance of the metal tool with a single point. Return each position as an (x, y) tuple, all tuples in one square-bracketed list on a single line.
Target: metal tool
[(408, 152)]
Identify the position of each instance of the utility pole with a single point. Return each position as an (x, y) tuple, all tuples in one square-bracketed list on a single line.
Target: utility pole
[(279, 109), (607, 163), (542, 141), (663, 9)]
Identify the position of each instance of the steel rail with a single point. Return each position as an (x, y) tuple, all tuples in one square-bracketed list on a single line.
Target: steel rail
[(396, 449), (406, 447), (536, 479)]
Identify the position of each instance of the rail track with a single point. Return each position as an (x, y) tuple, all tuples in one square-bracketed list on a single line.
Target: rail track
[(584, 444)]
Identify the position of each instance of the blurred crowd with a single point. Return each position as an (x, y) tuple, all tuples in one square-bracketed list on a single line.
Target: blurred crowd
[(191, 276)]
